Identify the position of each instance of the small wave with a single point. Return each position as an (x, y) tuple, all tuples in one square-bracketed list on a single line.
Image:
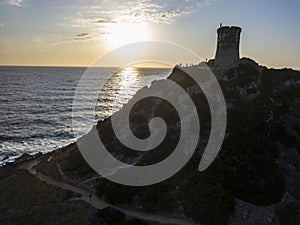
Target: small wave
[(37, 103), (10, 150)]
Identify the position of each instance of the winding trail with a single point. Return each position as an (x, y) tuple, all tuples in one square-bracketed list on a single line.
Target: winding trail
[(98, 203)]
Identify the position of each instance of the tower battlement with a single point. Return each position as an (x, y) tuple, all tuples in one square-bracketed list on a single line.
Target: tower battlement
[(228, 45)]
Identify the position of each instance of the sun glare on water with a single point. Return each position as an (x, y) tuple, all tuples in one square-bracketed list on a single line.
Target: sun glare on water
[(126, 33)]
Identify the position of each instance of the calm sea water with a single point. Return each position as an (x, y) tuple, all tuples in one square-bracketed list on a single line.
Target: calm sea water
[(36, 104)]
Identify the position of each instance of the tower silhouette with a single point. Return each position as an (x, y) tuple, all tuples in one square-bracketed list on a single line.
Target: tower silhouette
[(228, 45)]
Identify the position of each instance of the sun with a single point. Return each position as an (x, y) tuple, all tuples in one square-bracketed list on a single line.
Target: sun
[(126, 33)]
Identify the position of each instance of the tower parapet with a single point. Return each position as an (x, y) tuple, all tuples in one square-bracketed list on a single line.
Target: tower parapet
[(228, 45)]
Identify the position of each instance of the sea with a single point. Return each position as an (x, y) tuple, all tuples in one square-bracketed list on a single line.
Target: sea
[(36, 104)]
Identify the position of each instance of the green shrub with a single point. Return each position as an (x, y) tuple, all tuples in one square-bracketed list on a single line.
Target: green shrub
[(251, 172), (73, 162), (115, 193), (76, 163), (84, 169), (206, 203), (289, 214)]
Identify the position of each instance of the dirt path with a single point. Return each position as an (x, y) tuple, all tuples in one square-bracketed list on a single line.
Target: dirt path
[(98, 203)]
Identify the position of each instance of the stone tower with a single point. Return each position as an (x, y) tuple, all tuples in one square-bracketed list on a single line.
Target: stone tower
[(228, 45)]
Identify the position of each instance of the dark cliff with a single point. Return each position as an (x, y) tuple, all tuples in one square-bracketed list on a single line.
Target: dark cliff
[(254, 166)]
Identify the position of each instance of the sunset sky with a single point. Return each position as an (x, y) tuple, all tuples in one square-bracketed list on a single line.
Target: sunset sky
[(78, 32)]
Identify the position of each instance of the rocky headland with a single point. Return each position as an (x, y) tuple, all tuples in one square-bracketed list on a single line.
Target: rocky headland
[(255, 179)]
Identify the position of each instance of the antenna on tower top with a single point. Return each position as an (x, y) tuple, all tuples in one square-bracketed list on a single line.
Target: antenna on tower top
[(221, 24)]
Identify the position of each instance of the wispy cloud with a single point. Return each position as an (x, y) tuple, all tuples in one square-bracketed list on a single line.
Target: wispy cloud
[(83, 36), (105, 21), (82, 21), (157, 11), (12, 2), (134, 11)]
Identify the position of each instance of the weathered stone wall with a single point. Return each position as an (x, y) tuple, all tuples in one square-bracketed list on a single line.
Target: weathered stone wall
[(228, 45)]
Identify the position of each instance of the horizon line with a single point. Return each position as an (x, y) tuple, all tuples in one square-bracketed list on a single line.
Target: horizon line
[(84, 66), (145, 67)]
